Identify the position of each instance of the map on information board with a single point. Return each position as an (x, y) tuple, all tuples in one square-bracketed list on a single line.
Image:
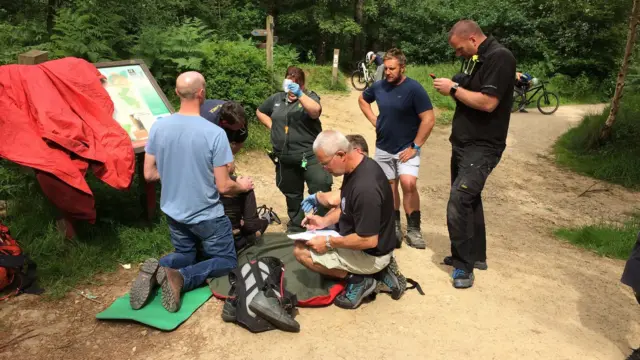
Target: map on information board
[(137, 103)]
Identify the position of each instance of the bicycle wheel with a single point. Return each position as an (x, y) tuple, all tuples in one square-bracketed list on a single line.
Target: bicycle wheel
[(518, 101), (358, 81), (548, 103)]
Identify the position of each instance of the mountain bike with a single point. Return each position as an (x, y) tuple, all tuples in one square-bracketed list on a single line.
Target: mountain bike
[(547, 103), (361, 78)]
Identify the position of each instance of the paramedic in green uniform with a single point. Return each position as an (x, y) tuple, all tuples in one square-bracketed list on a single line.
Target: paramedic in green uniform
[(293, 116)]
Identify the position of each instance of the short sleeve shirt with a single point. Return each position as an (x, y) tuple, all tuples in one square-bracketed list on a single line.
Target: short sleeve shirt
[(494, 77), (187, 148), (367, 206), (400, 107), (303, 129)]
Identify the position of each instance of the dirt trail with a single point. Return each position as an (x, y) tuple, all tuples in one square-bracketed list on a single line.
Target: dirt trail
[(540, 298)]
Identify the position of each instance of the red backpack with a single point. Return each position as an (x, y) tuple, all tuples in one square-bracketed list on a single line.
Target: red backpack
[(17, 271)]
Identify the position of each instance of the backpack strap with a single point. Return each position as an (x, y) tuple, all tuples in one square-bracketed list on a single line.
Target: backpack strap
[(414, 285)]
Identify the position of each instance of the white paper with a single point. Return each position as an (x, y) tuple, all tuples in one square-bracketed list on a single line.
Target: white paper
[(308, 235)]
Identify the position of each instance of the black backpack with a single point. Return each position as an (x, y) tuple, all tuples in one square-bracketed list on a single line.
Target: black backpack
[(263, 274)]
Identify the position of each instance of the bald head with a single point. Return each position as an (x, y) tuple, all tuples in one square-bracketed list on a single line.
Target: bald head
[(465, 28), (189, 84)]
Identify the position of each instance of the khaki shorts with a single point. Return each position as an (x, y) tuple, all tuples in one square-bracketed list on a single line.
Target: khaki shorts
[(353, 261)]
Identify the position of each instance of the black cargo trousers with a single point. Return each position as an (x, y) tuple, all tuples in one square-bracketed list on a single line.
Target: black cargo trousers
[(470, 168)]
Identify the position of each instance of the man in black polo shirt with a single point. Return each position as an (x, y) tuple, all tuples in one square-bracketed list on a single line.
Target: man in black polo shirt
[(483, 94), (367, 232)]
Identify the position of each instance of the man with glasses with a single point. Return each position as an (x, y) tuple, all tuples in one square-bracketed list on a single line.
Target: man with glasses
[(366, 225)]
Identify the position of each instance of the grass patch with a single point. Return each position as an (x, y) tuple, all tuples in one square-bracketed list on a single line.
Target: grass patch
[(118, 237), (444, 117), (420, 73), (611, 240), (616, 160), (318, 79)]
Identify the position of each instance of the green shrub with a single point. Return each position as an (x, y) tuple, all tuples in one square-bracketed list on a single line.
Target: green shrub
[(616, 160)]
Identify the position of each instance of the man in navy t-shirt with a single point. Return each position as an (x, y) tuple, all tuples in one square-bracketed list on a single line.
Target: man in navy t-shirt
[(402, 127)]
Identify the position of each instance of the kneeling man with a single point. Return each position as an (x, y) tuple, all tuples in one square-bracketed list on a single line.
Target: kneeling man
[(366, 222)]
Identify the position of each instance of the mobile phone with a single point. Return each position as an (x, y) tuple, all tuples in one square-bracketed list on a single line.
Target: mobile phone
[(432, 76)]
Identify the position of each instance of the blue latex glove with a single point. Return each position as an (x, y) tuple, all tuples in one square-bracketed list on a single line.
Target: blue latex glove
[(295, 89), (309, 203)]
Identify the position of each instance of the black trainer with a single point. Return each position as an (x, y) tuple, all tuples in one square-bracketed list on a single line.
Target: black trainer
[(462, 279), (480, 265), (144, 284), (269, 308), (355, 292)]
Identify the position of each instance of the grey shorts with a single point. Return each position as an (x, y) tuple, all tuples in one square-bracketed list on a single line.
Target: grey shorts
[(393, 168)]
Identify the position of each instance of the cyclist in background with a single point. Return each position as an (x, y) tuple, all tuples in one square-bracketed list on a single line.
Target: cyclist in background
[(378, 58), (524, 81)]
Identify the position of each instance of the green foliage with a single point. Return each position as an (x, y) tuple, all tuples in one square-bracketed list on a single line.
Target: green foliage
[(609, 239), (617, 160), (118, 237), (84, 32), (320, 78)]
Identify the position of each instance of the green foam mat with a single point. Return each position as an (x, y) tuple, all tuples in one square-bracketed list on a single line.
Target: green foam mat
[(153, 314)]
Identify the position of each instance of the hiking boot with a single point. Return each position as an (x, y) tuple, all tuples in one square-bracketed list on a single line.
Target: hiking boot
[(393, 279), (414, 236), (462, 279), (171, 282), (144, 284), (229, 310), (269, 308), (398, 230), (480, 265), (635, 355), (355, 292)]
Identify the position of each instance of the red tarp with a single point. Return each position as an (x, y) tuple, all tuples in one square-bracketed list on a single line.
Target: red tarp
[(56, 117)]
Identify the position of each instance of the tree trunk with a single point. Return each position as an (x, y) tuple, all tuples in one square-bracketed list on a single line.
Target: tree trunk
[(615, 102), (359, 38), (51, 13)]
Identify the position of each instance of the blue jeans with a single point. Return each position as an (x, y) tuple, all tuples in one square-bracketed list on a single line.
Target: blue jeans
[(215, 239)]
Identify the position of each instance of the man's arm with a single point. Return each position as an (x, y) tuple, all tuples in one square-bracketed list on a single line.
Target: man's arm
[(264, 119), (354, 241), (366, 110), (311, 106), (151, 173), (329, 199), (226, 186), (477, 100)]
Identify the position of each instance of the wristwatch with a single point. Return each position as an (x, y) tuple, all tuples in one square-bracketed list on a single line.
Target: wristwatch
[(415, 146), (328, 242), (453, 90)]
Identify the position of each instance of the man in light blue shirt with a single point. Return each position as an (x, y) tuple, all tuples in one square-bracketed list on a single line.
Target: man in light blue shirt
[(189, 155)]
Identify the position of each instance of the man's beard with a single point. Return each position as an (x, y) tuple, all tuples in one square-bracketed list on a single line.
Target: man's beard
[(396, 81)]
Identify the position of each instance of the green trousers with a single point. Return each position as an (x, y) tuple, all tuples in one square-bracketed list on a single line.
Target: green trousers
[(290, 179)]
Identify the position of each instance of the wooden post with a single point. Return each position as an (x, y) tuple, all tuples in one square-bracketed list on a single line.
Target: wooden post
[(270, 41), (33, 57), (336, 56)]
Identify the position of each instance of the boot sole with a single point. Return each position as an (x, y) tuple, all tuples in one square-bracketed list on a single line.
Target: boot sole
[(267, 313), (228, 315), (143, 284), (463, 283), (169, 301), (397, 292)]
